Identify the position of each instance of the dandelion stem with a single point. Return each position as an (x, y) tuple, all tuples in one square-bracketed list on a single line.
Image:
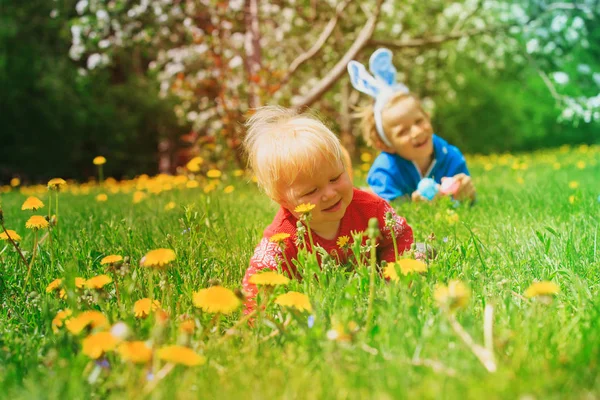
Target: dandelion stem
[(239, 323), (35, 244), (371, 284), (114, 272), (10, 239), (485, 356)]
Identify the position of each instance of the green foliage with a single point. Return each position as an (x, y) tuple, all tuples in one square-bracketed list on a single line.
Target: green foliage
[(55, 120), (511, 110)]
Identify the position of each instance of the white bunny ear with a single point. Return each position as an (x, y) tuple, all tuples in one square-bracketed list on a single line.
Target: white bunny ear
[(363, 81), (381, 66)]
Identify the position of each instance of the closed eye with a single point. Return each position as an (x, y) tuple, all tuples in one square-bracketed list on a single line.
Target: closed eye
[(336, 178), (310, 192)]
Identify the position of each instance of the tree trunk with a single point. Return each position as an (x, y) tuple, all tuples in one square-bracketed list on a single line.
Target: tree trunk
[(252, 61)]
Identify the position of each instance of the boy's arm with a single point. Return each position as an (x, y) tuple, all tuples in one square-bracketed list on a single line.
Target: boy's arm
[(383, 182), (399, 229)]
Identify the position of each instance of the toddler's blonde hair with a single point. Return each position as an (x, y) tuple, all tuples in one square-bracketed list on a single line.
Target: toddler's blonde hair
[(367, 119), (282, 143)]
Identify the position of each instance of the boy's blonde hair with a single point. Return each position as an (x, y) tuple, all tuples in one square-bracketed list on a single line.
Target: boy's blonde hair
[(282, 143), (367, 116)]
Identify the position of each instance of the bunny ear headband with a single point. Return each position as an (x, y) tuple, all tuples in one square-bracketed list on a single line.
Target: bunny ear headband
[(381, 86)]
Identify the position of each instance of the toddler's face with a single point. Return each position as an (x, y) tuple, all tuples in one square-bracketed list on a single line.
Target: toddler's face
[(409, 129), (330, 190)]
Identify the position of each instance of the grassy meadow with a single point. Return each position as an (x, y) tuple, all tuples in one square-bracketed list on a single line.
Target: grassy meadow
[(536, 219)]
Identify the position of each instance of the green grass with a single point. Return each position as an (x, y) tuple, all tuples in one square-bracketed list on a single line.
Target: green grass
[(523, 228)]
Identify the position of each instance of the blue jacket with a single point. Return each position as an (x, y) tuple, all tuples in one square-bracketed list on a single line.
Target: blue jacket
[(391, 176)]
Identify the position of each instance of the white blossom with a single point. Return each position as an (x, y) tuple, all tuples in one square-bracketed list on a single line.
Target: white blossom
[(560, 77)]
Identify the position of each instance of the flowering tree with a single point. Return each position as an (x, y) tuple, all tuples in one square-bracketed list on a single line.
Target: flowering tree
[(223, 57)]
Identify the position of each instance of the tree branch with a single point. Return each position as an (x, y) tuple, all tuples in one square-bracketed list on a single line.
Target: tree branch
[(340, 68), (318, 44), (433, 40)]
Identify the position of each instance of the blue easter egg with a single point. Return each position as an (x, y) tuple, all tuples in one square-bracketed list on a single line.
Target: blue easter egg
[(427, 188)]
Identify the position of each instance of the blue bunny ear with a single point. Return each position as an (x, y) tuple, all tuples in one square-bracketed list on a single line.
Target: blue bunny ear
[(381, 66), (362, 80)]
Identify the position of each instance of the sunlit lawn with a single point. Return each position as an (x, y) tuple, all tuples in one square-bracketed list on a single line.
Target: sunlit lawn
[(536, 219)]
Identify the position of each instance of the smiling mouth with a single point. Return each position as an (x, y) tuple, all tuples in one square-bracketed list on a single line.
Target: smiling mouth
[(333, 207), (423, 143)]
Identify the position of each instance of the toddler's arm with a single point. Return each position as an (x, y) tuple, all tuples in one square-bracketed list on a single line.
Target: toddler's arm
[(267, 255)]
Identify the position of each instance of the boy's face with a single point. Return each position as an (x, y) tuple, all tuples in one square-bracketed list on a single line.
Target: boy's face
[(330, 190), (409, 129)]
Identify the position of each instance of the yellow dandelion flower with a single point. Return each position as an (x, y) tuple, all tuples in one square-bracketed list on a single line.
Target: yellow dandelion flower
[(269, 278), (194, 164), (158, 258), (304, 208), (36, 222), (98, 282), (366, 157), (54, 285), (209, 188), (170, 205), (556, 165), (580, 164), (143, 307), (342, 241), (238, 172), (187, 326), (56, 183), (62, 294), (213, 173), (295, 300), (138, 197), (407, 266), (228, 189), (389, 272), (102, 197), (180, 355), (192, 184), (572, 199), (14, 182), (94, 319), (137, 352), (99, 160), (216, 299), (573, 184), (111, 259), (544, 288), (97, 344), (32, 203), (279, 237), (10, 234), (80, 282), (455, 295), (59, 319), (520, 180)]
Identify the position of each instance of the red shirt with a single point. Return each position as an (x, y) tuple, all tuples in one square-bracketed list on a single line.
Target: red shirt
[(363, 207)]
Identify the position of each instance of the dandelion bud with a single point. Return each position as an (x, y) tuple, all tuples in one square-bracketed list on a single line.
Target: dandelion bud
[(373, 229)]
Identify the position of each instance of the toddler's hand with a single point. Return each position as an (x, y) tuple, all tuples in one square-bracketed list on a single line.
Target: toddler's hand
[(465, 190)]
